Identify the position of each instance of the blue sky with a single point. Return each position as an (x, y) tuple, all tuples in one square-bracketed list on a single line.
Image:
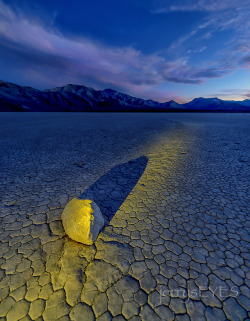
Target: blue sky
[(153, 49)]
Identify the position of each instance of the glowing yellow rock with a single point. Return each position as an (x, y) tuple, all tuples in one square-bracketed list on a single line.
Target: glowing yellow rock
[(82, 220)]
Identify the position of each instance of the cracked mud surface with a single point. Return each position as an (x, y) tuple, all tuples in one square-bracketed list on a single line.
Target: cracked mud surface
[(174, 190)]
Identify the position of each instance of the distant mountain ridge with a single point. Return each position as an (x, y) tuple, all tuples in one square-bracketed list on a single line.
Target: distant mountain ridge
[(76, 98)]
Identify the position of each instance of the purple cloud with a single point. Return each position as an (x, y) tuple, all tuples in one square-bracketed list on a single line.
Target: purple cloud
[(79, 59), (181, 72), (200, 5), (48, 58), (246, 61)]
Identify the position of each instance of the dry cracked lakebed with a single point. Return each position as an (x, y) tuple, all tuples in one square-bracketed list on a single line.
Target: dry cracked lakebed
[(174, 191)]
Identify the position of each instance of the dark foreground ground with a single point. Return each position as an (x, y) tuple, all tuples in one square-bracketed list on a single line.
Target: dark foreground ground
[(174, 189)]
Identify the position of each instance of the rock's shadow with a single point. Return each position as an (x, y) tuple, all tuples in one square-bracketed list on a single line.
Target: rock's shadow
[(111, 189)]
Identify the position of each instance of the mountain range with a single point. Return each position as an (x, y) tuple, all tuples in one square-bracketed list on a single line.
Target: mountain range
[(76, 98)]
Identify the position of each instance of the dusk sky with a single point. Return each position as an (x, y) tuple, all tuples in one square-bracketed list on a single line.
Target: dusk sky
[(152, 49)]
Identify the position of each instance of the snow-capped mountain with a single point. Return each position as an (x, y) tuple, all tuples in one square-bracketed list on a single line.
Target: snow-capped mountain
[(245, 102), (214, 104), (70, 98), (78, 98)]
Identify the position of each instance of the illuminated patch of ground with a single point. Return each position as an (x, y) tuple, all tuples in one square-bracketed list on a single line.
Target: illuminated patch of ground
[(176, 239)]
